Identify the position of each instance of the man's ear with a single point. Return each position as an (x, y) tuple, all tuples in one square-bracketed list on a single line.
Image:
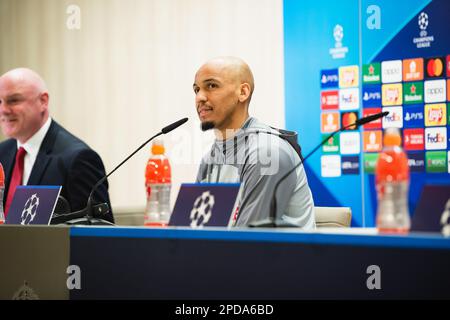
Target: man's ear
[(44, 98), (244, 93)]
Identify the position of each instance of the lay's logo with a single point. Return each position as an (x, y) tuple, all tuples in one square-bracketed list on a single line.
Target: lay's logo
[(348, 76), (392, 94), (435, 114)]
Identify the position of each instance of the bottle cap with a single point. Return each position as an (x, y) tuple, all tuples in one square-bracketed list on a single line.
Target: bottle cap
[(392, 137), (158, 146), (2, 176)]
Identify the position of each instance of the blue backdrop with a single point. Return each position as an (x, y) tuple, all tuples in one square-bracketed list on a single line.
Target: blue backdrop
[(375, 39)]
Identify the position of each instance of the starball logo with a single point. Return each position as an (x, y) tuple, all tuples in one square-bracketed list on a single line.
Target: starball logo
[(424, 40)]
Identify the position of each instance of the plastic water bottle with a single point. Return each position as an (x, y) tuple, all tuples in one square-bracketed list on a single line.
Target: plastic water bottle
[(2, 190), (392, 185), (158, 184)]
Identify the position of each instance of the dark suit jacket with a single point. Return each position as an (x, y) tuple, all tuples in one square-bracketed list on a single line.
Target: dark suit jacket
[(63, 160)]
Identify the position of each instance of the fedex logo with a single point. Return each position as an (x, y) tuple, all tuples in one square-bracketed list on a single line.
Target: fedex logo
[(392, 94), (413, 139), (349, 99), (329, 100), (436, 138), (435, 114), (394, 119), (371, 96), (329, 78), (413, 116)]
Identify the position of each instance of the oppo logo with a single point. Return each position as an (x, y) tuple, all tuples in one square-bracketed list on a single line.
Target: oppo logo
[(433, 91), (392, 72)]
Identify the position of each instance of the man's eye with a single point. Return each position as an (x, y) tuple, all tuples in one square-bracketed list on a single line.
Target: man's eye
[(196, 90), (212, 85)]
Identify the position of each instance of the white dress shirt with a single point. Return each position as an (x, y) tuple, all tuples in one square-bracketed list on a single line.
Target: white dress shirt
[(32, 147)]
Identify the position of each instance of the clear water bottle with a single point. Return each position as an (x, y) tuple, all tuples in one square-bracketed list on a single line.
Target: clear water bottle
[(2, 190), (158, 184), (392, 185)]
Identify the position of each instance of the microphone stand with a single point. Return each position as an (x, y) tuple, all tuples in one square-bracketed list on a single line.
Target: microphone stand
[(88, 214), (271, 221)]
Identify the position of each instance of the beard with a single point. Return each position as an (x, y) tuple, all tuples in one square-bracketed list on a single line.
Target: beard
[(208, 125)]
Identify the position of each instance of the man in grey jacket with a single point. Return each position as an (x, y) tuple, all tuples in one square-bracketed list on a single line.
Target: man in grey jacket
[(246, 150)]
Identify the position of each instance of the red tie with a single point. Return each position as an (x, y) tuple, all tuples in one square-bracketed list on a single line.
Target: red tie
[(16, 178)]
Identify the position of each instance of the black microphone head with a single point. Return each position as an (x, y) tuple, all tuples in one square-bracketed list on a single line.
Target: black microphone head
[(174, 125), (371, 118)]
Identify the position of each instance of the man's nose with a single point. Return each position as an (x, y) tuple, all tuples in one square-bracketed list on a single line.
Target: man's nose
[(4, 108), (200, 97)]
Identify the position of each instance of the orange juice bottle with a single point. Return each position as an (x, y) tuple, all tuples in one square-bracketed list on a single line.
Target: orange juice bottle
[(158, 184), (392, 185)]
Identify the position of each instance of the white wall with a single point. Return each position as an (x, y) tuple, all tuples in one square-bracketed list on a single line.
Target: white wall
[(129, 71)]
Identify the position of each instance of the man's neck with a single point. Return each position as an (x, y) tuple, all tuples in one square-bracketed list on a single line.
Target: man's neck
[(230, 131)]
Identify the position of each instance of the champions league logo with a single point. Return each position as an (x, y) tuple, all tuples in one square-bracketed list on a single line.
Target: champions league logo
[(29, 210), (202, 210), (424, 41), (339, 51)]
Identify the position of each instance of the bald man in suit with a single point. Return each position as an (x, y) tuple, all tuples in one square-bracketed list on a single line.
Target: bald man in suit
[(40, 151)]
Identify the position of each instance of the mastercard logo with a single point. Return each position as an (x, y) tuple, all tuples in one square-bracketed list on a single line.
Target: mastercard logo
[(435, 67), (348, 118)]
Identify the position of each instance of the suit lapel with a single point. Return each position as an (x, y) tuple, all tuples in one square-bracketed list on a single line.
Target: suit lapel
[(44, 156), (8, 162)]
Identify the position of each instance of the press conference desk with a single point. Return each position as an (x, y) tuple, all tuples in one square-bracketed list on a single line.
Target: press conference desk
[(176, 263)]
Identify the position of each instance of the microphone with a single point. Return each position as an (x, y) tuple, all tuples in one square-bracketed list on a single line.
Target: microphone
[(89, 213), (271, 221)]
